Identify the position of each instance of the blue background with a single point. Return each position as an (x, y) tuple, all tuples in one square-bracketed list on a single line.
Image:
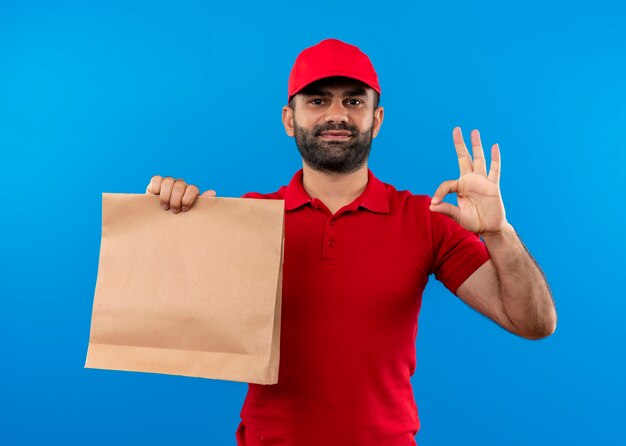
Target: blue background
[(99, 97)]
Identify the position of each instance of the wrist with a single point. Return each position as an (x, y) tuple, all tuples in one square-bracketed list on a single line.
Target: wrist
[(507, 232)]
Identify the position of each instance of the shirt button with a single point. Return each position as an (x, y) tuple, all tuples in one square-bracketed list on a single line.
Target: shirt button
[(331, 243), (332, 222)]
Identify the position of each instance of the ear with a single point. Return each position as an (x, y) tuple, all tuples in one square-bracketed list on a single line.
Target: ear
[(288, 119), (379, 114)]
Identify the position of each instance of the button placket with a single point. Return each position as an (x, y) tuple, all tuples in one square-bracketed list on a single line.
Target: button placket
[(330, 242)]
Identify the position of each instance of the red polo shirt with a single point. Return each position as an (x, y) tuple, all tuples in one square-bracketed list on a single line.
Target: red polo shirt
[(352, 291)]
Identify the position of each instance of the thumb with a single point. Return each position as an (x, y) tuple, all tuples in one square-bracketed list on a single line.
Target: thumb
[(209, 193), (448, 209)]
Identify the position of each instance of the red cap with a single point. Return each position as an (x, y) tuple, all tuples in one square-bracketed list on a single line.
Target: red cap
[(331, 57)]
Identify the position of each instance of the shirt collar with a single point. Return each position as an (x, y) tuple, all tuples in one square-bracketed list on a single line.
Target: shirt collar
[(374, 197)]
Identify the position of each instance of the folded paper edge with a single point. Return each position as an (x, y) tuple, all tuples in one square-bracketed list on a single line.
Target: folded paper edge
[(211, 365)]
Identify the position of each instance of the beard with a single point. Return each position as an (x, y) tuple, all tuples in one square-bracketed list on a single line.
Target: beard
[(333, 156)]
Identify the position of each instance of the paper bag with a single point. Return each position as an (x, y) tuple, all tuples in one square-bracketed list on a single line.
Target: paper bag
[(196, 293)]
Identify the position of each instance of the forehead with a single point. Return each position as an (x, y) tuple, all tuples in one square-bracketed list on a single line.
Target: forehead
[(342, 84)]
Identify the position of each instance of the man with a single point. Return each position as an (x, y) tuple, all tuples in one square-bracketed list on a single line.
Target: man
[(358, 254)]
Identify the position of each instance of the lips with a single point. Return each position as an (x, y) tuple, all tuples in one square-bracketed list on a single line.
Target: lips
[(335, 134)]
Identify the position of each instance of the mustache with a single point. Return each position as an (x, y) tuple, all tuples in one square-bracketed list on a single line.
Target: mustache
[(343, 127)]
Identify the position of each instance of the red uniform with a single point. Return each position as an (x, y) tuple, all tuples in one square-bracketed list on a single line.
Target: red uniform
[(352, 291)]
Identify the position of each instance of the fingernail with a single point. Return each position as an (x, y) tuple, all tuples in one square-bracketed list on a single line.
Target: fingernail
[(435, 200), (164, 206), (185, 208)]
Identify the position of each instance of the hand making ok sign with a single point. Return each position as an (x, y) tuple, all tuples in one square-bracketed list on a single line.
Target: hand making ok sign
[(480, 206)]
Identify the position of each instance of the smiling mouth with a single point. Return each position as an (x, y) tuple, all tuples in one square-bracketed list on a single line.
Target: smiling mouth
[(338, 135)]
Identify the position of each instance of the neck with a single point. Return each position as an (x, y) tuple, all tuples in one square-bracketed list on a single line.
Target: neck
[(335, 190)]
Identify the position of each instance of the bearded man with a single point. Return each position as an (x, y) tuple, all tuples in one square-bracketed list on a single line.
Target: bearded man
[(357, 256)]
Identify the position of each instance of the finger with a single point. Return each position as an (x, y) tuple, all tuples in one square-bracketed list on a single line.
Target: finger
[(444, 189), (448, 209), (494, 168), (166, 192), (191, 192), (154, 187), (465, 161), (209, 193), (176, 199), (477, 153)]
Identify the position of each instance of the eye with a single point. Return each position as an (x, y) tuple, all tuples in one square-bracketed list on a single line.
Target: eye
[(355, 101), (317, 101)]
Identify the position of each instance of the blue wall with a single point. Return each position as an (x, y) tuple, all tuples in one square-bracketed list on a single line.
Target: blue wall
[(99, 97)]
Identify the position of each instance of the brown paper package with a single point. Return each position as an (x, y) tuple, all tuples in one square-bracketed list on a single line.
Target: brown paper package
[(196, 293)]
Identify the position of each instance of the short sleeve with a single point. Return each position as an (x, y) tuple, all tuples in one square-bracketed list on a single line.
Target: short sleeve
[(272, 196), (457, 252)]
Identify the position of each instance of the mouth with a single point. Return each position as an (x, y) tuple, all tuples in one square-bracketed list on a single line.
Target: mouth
[(335, 135)]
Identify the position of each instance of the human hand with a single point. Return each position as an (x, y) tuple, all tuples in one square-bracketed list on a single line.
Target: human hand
[(480, 208), (175, 194)]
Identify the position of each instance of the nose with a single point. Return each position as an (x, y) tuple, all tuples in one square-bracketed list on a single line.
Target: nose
[(336, 113)]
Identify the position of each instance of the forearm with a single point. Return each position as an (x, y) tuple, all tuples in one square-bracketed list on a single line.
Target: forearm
[(524, 291)]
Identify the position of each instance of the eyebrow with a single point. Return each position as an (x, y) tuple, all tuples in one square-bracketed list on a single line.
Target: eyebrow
[(318, 92)]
